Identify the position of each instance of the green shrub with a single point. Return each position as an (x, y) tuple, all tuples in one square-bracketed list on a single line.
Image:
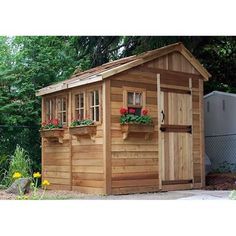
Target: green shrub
[(19, 162)]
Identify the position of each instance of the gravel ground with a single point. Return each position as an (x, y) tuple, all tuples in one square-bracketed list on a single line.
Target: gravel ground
[(172, 195)]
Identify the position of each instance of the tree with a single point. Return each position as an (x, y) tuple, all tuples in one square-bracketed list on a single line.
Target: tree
[(30, 63)]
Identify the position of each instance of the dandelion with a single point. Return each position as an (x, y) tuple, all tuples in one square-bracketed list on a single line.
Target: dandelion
[(16, 175), (45, 183), (37, 175)]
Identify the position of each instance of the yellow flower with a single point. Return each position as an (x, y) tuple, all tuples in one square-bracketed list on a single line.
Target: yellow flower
[(37, 175), (45, 183), (16, 175)]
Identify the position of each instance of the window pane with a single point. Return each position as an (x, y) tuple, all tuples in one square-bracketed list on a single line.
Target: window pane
[(130, 98), (97, 113), (77, 101), (82, 100), (60, 117), (138, 97), (59, 104), (81, 114), (92, 98), (47, 110), (64, 104), (64, 117), (92, 113), (97, 97)]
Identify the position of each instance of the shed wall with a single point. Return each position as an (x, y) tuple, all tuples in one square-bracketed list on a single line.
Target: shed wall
[(135, 161), (132, 165), (75, 164)]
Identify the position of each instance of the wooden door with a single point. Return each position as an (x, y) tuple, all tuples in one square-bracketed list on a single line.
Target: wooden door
[(176, 136)]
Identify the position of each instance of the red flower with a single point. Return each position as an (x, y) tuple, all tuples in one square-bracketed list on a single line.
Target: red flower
[(44, 123), (123, 111), (144, 112), (131, 111), (55, 122)]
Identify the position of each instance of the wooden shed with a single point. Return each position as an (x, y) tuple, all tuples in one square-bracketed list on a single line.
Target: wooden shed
[(108, 157)]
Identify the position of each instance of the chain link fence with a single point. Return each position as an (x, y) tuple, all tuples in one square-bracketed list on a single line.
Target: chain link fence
[(221, 150)]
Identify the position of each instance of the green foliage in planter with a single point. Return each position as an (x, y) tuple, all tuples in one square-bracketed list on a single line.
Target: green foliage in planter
[(52, 124), (135, 119), (82, 123), (129, 116)]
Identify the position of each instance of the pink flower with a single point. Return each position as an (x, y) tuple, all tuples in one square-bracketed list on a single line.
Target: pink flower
[(131, 111), (55, 121), (123, 111)]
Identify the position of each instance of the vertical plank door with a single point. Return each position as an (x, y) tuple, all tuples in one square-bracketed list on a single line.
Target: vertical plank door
[(176, 136)]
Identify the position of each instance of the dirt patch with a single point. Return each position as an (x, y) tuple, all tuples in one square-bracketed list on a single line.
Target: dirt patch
[(221, 181), (50, 195), (6, 196)]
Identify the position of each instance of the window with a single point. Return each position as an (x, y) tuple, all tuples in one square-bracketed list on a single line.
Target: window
[(134, 99), (61, 110), (79, 106), (49, 109), (95, 105)]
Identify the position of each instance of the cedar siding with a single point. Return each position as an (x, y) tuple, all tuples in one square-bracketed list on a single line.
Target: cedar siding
[(171, 158)]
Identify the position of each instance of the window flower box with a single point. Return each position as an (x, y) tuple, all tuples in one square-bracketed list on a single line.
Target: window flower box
[(146, 129), (53, 135), (132, 123), (84, 130)]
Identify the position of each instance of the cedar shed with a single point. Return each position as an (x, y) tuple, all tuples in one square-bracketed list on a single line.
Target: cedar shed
[(107, 158)]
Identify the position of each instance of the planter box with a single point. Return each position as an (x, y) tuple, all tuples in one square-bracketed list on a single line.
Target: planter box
[(53, 135), (88, 130), (147, 130)]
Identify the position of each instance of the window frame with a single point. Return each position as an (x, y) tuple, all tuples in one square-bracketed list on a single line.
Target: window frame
[(134, 90), (51, 112), (61, 112), (77, 109), (89, 104)]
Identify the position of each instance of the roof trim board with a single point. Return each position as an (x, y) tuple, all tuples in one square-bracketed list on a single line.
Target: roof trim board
[(118, 66), (219, 93)]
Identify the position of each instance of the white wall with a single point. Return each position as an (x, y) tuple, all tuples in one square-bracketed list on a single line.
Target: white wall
[(217, 120), (220, 130)]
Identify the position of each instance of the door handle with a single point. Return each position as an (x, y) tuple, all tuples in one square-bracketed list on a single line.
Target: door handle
[(163, 116)]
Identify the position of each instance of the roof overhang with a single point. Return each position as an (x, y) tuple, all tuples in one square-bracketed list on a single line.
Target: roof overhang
[(61, 86), (140, 59)]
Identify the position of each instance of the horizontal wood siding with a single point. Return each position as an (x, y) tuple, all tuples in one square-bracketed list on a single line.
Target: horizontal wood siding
[(87, 164), (134, 160), (134, 164), (57, 163)]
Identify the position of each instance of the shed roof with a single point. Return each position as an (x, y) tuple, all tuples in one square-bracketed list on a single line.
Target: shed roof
[(111, 68), (220, 93)]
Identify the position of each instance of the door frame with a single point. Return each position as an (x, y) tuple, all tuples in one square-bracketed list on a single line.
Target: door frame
[(161, 137)]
